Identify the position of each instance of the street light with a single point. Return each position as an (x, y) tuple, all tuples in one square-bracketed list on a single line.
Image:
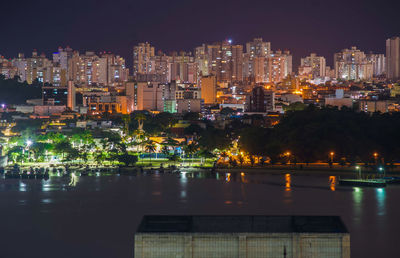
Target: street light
[(288, 156), (359, 171), (382, 169), (376, 158), (331, 154)]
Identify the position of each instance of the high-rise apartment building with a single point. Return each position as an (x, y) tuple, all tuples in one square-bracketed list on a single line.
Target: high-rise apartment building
[(393, 58), (182, 67), (141, 58), (201, 59), (208, 85), (146, 95), (254, 60), (378, 64), (7, 69), (260, 100), (258, 47), (22, 65), (316, 64), (39, 68), (225, 61), (352, 64), (112, 70), (278, 66)]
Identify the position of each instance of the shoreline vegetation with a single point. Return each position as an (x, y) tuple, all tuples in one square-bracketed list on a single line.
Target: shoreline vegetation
[(311, 140)]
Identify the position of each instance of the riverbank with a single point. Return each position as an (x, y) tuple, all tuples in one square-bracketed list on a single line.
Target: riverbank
[(311, 169)]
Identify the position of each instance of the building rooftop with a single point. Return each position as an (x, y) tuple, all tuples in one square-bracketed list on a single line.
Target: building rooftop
[(241, 224)]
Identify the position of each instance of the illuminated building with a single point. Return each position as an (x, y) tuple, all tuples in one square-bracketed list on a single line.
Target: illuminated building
[(393, 58), (146, 95), (84, 69), (201, 58), (60, 66), (59, 96), (254, 59), (395, 90), (7, 69), (260, 100), (279, 65), (182, 98), (208, 85), (111, 104), (55, 96), (372, 106), (290, 83), (38, 67), (352, 64), (317, 65), (182, 67), (258, 48), (141, 58), (378, 64), (112, 70), (22, 65), (225, 61)]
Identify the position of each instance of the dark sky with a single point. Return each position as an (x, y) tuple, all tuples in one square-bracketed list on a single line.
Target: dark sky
[(302, 26)]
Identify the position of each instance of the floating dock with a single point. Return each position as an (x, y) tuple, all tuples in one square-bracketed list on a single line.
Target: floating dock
[(392, 180), (363, 182)]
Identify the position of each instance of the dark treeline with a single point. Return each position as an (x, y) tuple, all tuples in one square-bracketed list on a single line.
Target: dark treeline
[(14, 92), (312, 134)]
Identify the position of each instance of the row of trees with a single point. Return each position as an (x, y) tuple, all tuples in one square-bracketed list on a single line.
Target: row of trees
[(312, 134)]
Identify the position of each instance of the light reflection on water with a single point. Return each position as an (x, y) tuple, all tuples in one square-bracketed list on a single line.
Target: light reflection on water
[(239, 192), (183, 184), (22, 186), (288, 189), (357, 204), (381, 201), (332, 181), (288, 181)]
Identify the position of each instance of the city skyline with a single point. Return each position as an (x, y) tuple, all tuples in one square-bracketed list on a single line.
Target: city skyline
[(297, 59), (116, 27)]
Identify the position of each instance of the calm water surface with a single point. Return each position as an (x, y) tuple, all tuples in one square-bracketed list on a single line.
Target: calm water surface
[(97, 216)]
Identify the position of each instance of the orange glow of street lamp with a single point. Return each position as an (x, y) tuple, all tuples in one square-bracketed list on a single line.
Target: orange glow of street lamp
[(375, 154)]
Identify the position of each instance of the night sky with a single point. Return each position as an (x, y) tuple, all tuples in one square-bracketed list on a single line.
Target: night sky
[(302, 26)]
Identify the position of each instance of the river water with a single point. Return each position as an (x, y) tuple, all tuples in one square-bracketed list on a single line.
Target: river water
[(97, 216)]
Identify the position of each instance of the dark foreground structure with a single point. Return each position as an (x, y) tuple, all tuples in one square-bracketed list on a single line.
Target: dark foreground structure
[(242, 237)]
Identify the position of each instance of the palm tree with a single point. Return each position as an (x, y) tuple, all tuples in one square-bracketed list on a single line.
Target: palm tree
[(191, 149), (170, 142), (150, 147), (140, 117), (127, 121)]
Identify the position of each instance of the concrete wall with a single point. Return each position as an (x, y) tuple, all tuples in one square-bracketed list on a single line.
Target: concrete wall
[(243, 245)]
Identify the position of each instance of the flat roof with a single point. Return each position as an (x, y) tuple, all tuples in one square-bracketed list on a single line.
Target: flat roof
[(241, 224)]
